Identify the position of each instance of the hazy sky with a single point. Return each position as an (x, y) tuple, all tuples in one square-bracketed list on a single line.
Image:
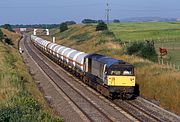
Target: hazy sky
[(56, 11)]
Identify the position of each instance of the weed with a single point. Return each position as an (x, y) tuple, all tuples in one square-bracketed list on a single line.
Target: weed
[(81, 37)]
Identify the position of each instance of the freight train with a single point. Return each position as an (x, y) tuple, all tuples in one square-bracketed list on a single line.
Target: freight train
[(109, 76)]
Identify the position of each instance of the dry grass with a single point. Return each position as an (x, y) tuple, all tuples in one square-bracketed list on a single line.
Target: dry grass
[(15, 37), (15, 78), (155, 82)]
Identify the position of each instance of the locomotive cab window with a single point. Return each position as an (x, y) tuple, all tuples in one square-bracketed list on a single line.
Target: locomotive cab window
[(121, 70)]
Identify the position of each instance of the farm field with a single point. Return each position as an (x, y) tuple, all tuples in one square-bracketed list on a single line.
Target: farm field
[(156, 82), (164, 34), (159, 31)]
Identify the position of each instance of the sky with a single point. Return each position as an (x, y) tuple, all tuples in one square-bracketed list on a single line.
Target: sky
[(57, 11)]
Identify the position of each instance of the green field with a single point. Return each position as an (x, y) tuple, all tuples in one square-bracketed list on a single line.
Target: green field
[(159, 31), (164, 34)]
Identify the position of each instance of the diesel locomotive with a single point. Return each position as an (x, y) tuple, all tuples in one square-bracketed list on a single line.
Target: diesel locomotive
[(109, 76)]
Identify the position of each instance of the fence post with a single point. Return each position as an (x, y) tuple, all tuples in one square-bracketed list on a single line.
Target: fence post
[(174, 66), (162, 61), (125, 44), (167, 64), (170, 64), (159, 61)]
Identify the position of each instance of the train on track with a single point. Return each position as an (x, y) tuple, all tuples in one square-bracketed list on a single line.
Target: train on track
[(109, 76)]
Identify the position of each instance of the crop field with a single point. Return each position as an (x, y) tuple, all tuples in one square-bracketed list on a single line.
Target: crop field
[(159, 31), (165, 35)]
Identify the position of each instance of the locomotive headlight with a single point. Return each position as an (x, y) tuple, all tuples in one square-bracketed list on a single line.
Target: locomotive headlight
[(132, 79)]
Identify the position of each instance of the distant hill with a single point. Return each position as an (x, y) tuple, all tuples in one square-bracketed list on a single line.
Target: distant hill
[(150, 19)]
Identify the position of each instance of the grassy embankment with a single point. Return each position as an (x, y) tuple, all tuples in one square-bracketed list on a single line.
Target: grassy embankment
[(20, 99), (155, 82)]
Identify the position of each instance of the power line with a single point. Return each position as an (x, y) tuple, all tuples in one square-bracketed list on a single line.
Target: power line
[(51, 6), (107, 12)]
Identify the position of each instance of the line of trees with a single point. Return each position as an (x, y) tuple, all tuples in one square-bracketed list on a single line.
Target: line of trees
[(50, 26), (44, 26), (91, 21), (8, 27)]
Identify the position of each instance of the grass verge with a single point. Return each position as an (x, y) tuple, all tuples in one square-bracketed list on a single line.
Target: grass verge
[(20, 100)]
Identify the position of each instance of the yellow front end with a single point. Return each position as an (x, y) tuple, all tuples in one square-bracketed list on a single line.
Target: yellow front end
[(121, 80)]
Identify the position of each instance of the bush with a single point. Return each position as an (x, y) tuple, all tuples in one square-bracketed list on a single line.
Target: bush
[(8, 41), (135, 48), (101, 26), (1, 35), (8, 27), (108, 33), (63, 27), (88, 21), (143, 49), (25, 110), (81, 37), (70, 22), (116, 21)]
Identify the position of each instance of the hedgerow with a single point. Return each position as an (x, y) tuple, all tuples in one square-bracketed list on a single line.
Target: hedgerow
[(143, 49)]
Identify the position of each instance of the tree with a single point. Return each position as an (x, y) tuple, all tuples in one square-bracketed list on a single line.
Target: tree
[(99, 21), (1, 35), (88, 21), (101, 26), (70, 22), (116, 21), (8, 27), (9, 41), (143, 49), (63, 27)]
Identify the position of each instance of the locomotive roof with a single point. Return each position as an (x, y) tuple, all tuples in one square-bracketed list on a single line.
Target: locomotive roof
[(105, 59)]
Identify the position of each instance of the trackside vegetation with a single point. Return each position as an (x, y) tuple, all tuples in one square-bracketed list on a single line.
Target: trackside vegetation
[(20, 100), (63, 27), (101, 26), (156, 82), (143, 49)]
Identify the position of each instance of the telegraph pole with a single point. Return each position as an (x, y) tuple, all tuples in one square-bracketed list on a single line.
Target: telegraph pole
[(107, 12)]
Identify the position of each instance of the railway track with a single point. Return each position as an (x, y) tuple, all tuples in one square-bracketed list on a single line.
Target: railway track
[(138, 112), (89, 107), (92, 112), (144, 110)]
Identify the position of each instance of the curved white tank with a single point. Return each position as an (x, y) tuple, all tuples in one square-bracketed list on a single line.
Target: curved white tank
[(59, 51), (50, 47), (74, 56), (39, 41), (56, 50), (63, 52), (67, 53), (70, 56), (80, 61), (45, 45), (53, 49)]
